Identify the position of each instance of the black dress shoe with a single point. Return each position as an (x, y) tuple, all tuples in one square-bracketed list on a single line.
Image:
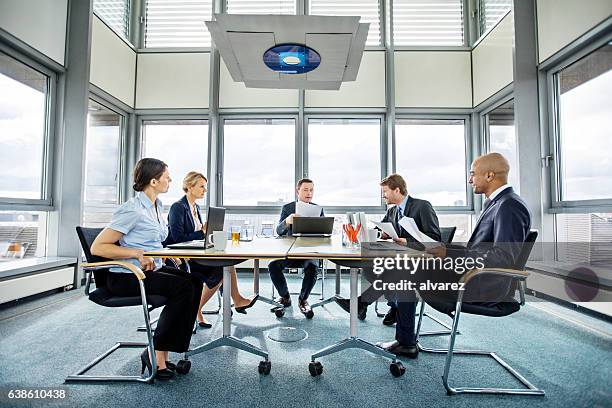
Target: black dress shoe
[(205, 325), (305, 309), (399, 349), (391, 317), (284, 301), (362, 307), (242, 309)]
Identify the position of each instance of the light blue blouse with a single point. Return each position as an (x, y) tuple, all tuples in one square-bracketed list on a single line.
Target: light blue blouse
[(142, 227)]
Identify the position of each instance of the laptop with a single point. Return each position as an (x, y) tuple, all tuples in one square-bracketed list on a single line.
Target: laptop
[(313, 226), (215, 220)]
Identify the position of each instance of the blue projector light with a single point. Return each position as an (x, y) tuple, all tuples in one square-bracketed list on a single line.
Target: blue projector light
[(291, 59)]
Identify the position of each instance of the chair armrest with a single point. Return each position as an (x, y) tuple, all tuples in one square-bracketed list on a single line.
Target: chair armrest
[(509, 273), (126, 265)]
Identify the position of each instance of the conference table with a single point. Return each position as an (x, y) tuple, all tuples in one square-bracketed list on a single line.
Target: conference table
[(280, 248)]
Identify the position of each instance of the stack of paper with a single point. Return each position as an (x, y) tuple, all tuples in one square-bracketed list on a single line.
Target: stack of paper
[(307, 209)]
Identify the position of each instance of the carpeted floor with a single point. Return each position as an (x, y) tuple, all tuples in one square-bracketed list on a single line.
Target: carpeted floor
[(44, 340)]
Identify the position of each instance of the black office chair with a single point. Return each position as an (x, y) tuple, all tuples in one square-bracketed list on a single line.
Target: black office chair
[(446, 237), (99, 267), (498, 309)]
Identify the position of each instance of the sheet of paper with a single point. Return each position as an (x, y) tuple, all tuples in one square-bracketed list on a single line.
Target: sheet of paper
[(307, 210), (410, 226), (387, 228)]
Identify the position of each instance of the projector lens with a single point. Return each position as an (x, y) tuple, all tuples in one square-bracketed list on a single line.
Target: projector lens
[(291, 59)]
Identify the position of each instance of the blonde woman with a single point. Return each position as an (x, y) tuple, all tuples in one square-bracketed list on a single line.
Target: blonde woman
[(185, 224)]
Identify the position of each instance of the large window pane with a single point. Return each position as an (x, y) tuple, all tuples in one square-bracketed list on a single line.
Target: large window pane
[(102, 164), (367, 9), (584, 238), (344, 161), (428, 22), (502, 138), (584, 90), (115, 13), (176, 23), (431, 156), (26, 230), (182, 145), (258, 162), (23, 95), (260, 6)]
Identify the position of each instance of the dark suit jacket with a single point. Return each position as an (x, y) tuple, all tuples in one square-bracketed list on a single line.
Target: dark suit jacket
[(424, 216), (180, 223), (498, 238), (287, 210)]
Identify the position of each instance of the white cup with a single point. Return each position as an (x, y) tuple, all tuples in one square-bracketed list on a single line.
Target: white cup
[(219, 240), (372, 234)]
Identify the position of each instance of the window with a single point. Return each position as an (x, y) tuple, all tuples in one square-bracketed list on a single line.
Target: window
[(431, 156), (583, 92), (260, 7), (26, 229), (172, 23), (367, 9), (23, 130), (463, 223), (258, 162), (102, 164), (490, 12), (502, 138), (344, 161), (428, 22), (182, 145), (115, 13), (583, 238)]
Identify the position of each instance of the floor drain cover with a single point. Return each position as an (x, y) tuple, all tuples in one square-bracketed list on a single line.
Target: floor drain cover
[(287, 334)]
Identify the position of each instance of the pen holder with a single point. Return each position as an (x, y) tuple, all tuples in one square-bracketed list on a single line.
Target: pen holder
[(350, 235)]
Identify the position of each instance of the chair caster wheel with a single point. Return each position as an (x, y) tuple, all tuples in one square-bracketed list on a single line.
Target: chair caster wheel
[(279, 312), (315, 368), (397, 369), (264, 367), (183, 366)]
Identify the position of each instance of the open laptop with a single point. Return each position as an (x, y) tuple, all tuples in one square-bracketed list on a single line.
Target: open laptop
[(313, 226), (215, 220)]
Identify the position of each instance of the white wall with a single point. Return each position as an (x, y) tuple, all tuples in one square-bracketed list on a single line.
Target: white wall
[(113, 63), (368, 90), (433, 79), (492, 61), (562, 21), (172, 80), (237, 95), (39, 23)]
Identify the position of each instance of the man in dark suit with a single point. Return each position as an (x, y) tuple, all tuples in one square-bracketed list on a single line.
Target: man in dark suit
[(497, 239), (395, 192), (305, 191)]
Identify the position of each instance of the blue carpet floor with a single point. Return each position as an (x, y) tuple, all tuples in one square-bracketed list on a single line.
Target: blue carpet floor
[(43, 341)]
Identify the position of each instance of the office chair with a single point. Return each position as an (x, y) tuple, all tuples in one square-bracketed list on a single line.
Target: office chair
[(99, 266), (446, 237), (499, 309)]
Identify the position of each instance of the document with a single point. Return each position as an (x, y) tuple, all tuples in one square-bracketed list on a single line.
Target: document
[(387, 228), (307, 209), (410, 226)]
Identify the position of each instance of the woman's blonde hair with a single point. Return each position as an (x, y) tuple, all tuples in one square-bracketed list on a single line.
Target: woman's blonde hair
[(191, 179)]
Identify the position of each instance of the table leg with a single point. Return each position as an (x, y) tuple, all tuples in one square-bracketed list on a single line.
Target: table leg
[(256, 286), (227, 339), (353, 341)]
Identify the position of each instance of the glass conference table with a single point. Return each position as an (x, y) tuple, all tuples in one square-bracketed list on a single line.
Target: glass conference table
[(281, 248)]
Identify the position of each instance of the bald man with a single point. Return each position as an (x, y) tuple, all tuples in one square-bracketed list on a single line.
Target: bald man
[(497, 238)]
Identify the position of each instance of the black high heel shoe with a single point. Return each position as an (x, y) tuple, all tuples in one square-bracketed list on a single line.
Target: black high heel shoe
[(165, 374), (205, 325), (242, 309)]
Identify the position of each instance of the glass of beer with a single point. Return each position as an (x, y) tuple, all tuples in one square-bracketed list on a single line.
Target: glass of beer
[(235, 229)]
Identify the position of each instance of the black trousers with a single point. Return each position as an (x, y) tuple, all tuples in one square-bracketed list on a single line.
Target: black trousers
[(183, 291), (278, 277)]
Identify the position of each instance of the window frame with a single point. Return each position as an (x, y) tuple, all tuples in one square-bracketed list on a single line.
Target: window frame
[(478, 13), (252, 209), (169, 117), (52, 100), (468, 146), (123, 146), (130, 21), (485, 136), (383, 155), (554, 138)]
